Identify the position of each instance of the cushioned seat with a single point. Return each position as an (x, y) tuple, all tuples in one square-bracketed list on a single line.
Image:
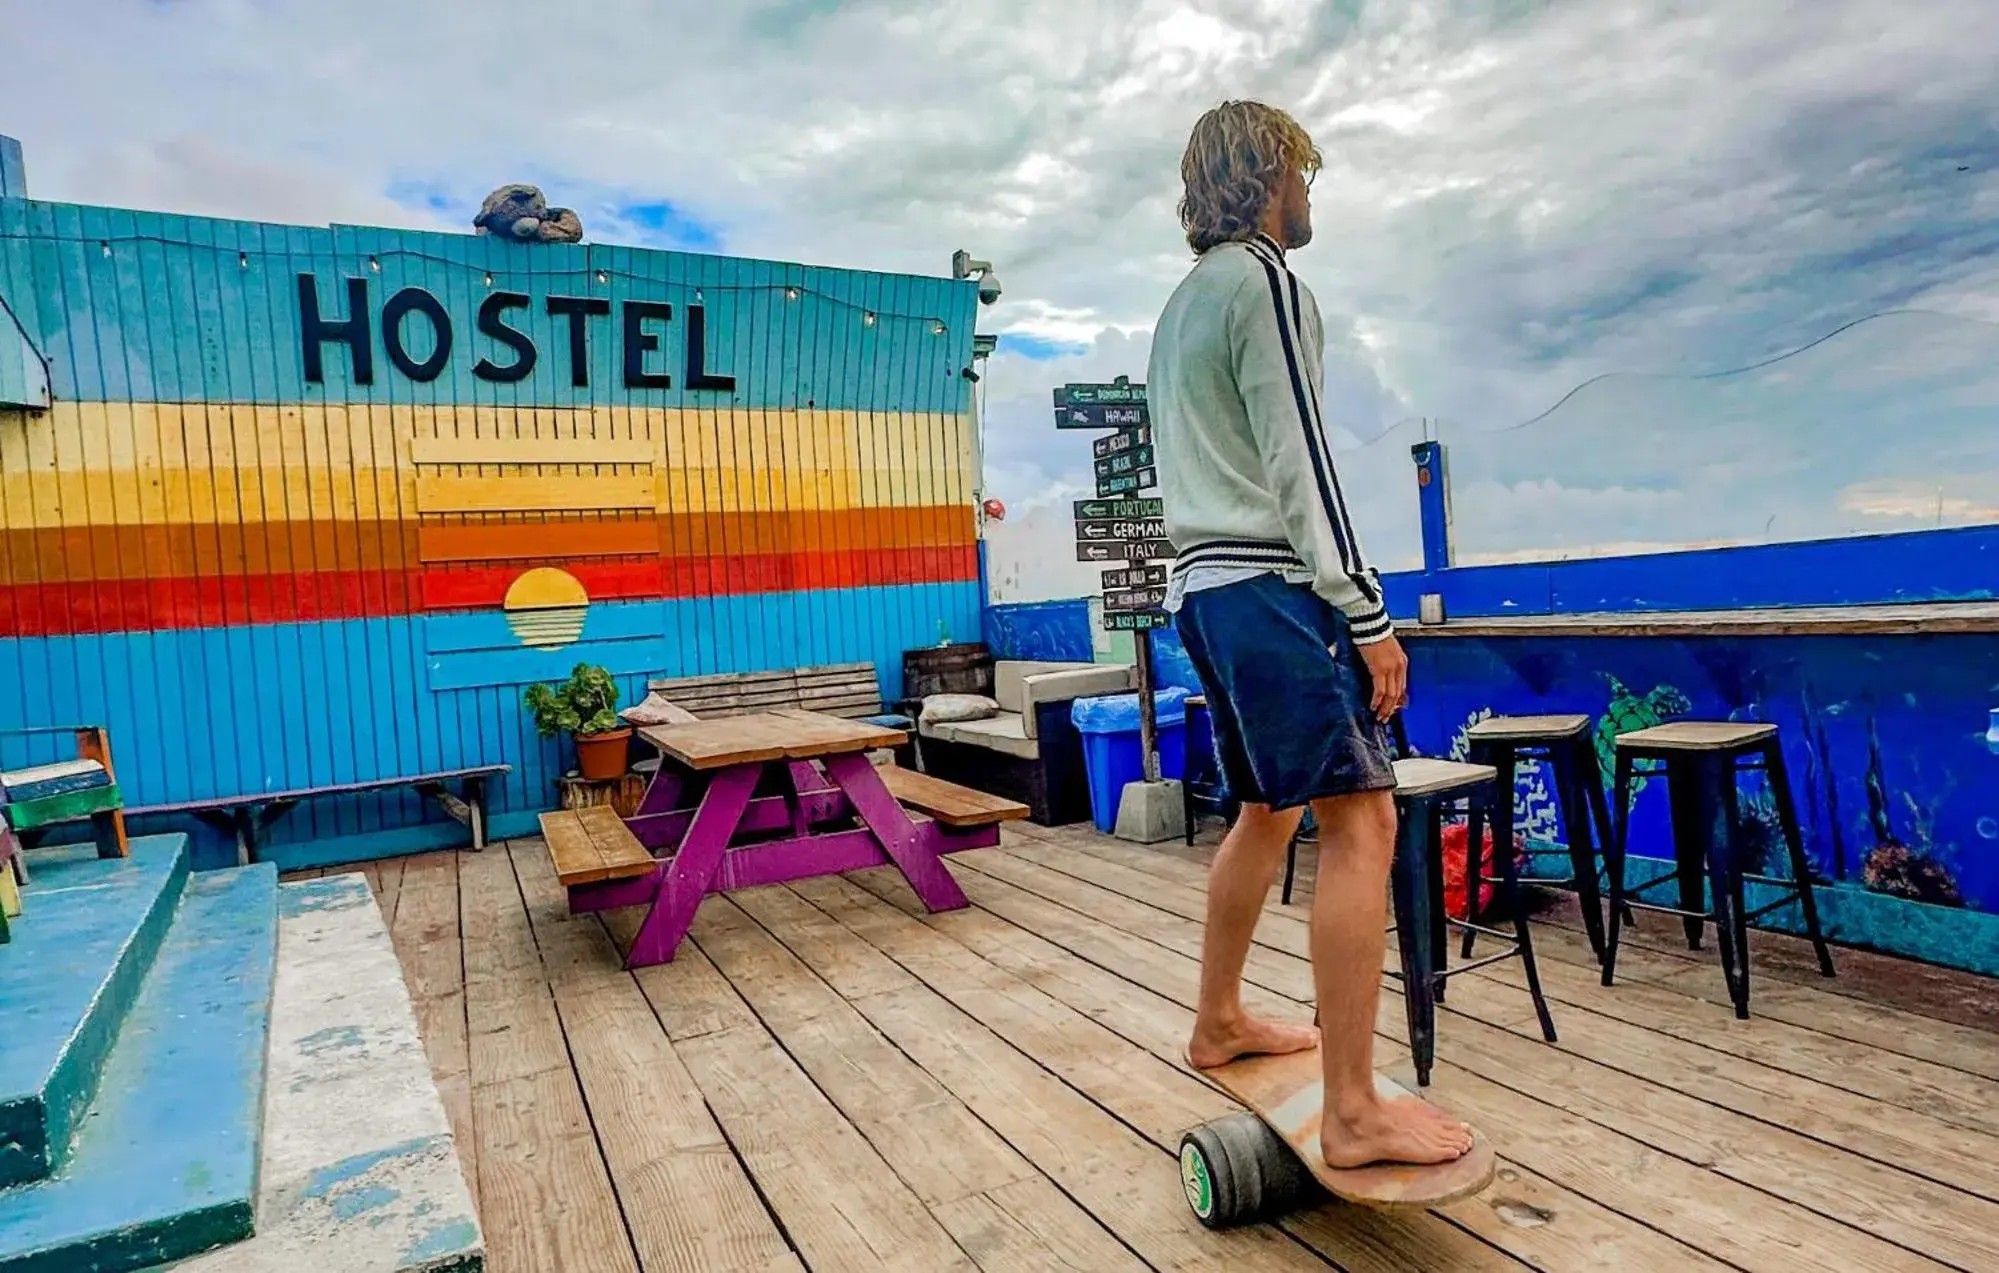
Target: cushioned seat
[(1028, 750)]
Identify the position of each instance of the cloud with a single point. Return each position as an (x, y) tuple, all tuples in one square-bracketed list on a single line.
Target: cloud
[(1516, 198)]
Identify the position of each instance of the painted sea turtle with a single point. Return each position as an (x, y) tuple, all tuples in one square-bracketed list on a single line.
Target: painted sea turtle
[(1627, 711)]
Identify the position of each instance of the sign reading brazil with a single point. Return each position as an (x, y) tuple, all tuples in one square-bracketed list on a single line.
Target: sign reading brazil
[(638, 328)]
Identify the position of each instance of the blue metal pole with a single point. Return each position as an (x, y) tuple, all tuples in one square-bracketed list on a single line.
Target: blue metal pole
[(1433, 495)]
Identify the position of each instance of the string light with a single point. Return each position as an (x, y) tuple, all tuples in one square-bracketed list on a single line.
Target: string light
[(489, 278), (792, 291)]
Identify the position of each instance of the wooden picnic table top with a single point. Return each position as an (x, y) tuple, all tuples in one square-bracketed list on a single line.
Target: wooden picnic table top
[(786, 734)]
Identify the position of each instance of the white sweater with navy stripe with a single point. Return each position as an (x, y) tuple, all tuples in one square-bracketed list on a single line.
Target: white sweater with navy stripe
[(1246, 471)]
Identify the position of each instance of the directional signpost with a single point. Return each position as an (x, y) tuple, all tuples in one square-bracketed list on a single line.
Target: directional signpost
[(1126, 532)]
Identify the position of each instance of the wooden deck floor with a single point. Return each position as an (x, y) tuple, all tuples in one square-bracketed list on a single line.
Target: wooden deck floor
[(829, 1079)]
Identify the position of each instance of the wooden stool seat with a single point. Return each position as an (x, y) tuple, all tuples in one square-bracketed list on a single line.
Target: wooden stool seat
[(1512, 728), (1696, 735), (1425, 776), (1563, 744), (1699, 762)]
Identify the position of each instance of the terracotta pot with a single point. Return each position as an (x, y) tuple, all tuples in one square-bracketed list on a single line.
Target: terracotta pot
[(603, 755)]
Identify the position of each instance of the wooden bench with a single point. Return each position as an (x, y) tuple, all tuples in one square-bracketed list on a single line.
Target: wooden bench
[(947, 802), (248, 816), (593, 844)]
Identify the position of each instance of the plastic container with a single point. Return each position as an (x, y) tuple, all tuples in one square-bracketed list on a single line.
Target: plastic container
[(1109, 726)]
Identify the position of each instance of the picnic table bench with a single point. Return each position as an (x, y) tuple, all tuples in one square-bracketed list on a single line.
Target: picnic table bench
[(760, 799), (251, 814)]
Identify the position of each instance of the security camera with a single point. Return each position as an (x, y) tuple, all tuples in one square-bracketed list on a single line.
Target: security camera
[(989, 288), (964, 265)]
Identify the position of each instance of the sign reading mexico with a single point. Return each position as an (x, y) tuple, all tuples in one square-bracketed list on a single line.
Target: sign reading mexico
[(642, 330)]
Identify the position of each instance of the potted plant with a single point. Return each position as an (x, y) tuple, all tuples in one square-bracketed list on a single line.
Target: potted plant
[(586, 705)]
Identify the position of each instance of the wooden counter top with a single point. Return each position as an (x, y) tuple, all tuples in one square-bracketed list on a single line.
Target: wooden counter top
[(1884, 620)]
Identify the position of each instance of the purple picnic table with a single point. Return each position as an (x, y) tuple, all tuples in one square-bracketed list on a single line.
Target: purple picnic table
[(764, 798)]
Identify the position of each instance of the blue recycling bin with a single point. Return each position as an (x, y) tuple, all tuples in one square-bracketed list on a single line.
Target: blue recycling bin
[(1109, 726)]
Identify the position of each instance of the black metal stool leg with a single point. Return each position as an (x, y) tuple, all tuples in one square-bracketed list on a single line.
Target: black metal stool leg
[(1510, 875), (1474, 842), (1568, 763), (1433, 861), (1409, 890), (1709, 782), (1801, 867), (1613, 855), (1689, 844), (1600, 808), (1290, 863)]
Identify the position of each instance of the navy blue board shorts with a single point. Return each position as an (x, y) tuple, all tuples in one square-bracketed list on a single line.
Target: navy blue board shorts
[(1287, 692)]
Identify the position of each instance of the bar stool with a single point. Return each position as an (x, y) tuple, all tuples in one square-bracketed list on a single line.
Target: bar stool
[(1424, 788), (1202, 784), (1699, 761), (1563, 744)]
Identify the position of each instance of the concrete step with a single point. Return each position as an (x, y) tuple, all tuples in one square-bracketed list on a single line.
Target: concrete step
[(89, 929), (165, 1164), (360, 1174)]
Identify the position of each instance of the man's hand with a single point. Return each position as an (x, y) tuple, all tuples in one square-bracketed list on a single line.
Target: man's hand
[(1389, 667)]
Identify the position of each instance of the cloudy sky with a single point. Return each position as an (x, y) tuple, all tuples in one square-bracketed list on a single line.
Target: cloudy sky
[(1518, 197)]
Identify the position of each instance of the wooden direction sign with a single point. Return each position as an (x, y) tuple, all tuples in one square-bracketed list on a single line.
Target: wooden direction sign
[(1136, 621), (1119, 393), (1138, 457), (1100, 417), (1125, 550), (1125, 528), (1150, 506), (1123, 440), (1136, 577), (1112, 406), (1126, 483), (1134, 598)]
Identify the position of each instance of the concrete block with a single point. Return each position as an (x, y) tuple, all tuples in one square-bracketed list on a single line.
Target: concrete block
[(1149, 812), (165, 1164), (67, 979), (359, 1171)]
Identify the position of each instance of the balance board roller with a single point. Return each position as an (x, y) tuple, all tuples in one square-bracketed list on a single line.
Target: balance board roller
[(1256, 1166)]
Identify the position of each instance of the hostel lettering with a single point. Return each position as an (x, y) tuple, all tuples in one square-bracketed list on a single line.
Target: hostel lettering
[(407, 313)]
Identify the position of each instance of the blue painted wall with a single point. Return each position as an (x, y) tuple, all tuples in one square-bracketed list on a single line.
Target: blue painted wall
[(1884, 736)]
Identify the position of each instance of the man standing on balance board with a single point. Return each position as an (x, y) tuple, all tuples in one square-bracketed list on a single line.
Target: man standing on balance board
[(1283, 619)]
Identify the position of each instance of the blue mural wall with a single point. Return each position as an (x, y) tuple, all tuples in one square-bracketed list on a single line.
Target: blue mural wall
[(1885, 737)]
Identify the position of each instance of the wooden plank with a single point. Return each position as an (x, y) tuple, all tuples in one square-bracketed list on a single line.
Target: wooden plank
[(426, 934), (571, 847), (1881, 620), (839, 1201), (930, 1138), (688, 1200), (947, 802), (545, 1195), (1926, 1148), (1126, 1181), (388, 883), (1713, 1226), (531, 450), (1531, 1217), (766, 736), (1108, 1088), (617, 848), (435, 494), (511, 541)]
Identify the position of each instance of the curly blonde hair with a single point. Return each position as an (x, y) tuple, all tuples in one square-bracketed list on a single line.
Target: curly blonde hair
[(1235, 161)]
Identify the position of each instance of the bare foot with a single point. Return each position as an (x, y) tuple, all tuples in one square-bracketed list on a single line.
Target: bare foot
[(1219, 1043), (1408, 1130)]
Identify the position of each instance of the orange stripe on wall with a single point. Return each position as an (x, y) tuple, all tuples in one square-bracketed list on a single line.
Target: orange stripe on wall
[(198, 550), (65, 609)]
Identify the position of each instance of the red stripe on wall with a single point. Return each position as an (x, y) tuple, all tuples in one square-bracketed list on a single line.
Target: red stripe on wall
[(138, 605)]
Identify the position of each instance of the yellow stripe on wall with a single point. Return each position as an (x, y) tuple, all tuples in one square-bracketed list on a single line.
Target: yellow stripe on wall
[(99, 463)]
